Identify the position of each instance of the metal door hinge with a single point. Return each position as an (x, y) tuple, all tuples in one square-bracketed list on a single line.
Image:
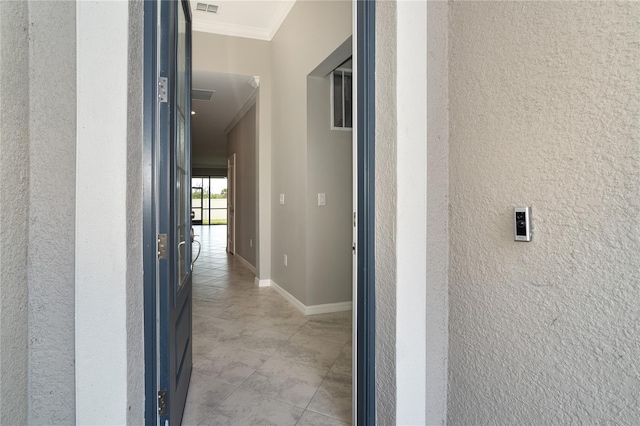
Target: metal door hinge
[(354, 219), (162, 246), (162, 403), (163, 83)]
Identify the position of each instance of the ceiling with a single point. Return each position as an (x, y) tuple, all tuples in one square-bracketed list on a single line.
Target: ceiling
[(211, 118), (258, 19)]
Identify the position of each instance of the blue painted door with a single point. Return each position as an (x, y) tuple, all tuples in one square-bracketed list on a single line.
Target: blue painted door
[(174, 208)]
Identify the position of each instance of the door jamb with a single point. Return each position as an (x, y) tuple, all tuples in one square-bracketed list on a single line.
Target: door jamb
[(149, 210), (365, 293)]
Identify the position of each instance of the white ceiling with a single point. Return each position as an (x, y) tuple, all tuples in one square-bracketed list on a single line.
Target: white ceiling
[(211, 118), (259, 19)]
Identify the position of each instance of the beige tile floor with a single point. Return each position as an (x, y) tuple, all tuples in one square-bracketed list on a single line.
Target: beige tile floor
[(256, 359)]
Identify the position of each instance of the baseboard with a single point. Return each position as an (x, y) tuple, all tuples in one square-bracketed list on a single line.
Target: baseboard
[(289, 297), (262, 283), (328, 308), (246, 262), (313, 309)]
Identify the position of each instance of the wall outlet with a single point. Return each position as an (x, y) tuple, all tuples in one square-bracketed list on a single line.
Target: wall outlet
[(281, 198), (250, 242), (285, 260)]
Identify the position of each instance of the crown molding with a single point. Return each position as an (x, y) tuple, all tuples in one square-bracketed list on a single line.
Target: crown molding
[(245, 31)]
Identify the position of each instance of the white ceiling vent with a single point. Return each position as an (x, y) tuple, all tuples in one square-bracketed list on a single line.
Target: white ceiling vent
[(202, 95), (204, 7)]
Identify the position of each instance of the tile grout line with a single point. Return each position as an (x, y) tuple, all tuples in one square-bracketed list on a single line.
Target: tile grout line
[(232, 280)]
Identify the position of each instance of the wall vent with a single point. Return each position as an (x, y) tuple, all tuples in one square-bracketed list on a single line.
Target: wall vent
[(202, 95), (204, 7)]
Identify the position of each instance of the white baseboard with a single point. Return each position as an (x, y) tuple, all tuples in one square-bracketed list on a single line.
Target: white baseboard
[(262, 283), (328, 308), (289, 297), (313, 309), (246, 263)]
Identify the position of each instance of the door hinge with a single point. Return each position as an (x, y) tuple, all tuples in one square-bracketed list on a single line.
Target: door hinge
[(162, 403), (354, 219), (162, 246), (163, 83), (353, 248)]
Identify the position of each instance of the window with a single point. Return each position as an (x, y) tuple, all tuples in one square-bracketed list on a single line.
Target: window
[(341, 99)]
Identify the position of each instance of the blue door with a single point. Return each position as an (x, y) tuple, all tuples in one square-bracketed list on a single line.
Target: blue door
[(168, 341)]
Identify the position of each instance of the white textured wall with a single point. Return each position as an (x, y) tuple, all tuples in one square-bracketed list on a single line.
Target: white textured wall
[(412, 235), (411, 212), (102, 287), (52, 148), (544, 107), (14, 210), (329, 227), (241, 140), (310, 33)]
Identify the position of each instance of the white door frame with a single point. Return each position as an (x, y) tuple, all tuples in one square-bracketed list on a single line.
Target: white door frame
[(231, 204)]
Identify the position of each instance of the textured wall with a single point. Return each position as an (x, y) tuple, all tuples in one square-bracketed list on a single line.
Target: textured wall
[(311, 31), (385, 219), (437, 211), (103, 290), (241, 140), (135, 278), (52, 121), (329, 170), (544, 104), (14, 209)]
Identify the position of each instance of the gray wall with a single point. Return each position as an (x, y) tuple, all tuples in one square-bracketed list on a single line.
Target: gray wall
[(544, 102), (242, 142), (14, 210), (385, 217), (38, 128), (311, 32), (329, 227), (437, 290), (51, 263), (236, 55), (134, 276)]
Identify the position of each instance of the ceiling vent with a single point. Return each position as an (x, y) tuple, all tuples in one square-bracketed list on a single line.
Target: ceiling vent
[(202, 95), (204, 7)]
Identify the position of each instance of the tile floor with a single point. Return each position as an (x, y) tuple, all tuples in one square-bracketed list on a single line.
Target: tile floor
[(256, 359)]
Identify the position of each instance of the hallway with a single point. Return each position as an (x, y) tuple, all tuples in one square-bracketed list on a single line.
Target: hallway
[(256, 358)]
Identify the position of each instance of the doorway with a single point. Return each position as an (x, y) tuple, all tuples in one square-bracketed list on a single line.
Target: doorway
[(209, 200), (363, 294)]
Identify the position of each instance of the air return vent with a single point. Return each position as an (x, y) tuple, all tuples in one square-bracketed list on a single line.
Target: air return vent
[(202, 95), (204, 7)]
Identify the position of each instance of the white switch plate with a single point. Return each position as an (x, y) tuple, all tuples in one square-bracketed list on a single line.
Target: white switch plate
[(281, 198), (250, 242), (285, 260), (322, 199)]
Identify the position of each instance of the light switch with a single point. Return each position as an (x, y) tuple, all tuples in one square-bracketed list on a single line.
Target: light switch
[(281, 198), (322, 199)]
